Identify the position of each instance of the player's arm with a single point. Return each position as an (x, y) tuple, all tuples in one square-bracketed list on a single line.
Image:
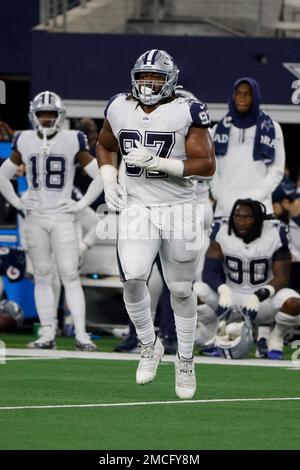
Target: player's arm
[(7, 171), (107, 146), (106, 152), (214, 275), (281, 266), (213, 272), (275, 170), (200, 152), (95, 188)]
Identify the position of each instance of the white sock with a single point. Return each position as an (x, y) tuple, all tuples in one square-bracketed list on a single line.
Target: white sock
[(284, 322), (186, 329), (56, 287), (44, 299), (263, 331), (76, 303), (140, 315), (155, 286), (206, 325)]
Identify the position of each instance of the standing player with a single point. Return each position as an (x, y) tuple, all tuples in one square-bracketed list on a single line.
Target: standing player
[(250, 151), (50, 155), (164, 142)]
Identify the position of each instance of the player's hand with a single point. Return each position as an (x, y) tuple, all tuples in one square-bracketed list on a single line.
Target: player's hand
[(72, 207), (67, 206), (251, 306), (21, 210), (226, 299), (115, 196), (141, 157)]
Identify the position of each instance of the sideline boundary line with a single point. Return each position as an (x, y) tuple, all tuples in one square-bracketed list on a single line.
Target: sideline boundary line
[(62, 354), (147, 403)]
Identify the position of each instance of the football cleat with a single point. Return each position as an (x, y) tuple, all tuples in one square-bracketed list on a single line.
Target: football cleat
[(85, 344), (210, 351), (151, 355), (185, 378), (42, 343), (275, 344), (261, 348), (275, 355)]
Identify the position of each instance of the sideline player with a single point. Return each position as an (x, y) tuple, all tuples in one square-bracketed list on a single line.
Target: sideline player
[(248, 265)]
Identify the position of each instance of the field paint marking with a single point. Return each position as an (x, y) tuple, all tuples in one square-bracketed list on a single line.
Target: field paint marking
[(146, 403), (31, 358), (49, 354)]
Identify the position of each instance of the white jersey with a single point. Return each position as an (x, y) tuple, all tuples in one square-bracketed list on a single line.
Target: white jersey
[(50, 177), (249, 266), (294, 228), (202, 191), (238, 176), (163, 131)]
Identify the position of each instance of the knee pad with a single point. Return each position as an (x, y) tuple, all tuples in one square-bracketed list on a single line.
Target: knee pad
[(180, 289), (68, 273), (42, 270), (291, 306), (134, 290), (43, 280)]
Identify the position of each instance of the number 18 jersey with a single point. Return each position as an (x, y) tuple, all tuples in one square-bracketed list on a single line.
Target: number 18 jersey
[(49, 176)]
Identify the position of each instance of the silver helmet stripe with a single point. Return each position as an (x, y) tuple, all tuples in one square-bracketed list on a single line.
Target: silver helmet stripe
[(150, 57)]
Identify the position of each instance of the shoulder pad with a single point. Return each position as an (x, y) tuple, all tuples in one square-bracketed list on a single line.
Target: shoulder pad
[(112, 99), (199, 114), (214, 229)]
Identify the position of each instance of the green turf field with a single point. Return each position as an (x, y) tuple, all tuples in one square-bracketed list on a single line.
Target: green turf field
[(160, 425)]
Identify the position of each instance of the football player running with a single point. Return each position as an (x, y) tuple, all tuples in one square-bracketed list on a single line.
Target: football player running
[(165, 143), (248, 265), (50, 154)]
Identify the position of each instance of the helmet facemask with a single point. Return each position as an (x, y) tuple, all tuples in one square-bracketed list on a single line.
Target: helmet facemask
[(47, 101), (150, 92)]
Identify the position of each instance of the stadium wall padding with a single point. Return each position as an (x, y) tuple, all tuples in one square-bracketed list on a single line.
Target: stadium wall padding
[(16, 20), (95, 66)]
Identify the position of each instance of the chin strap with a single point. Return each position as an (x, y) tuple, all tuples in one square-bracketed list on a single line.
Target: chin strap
[(45, 148)]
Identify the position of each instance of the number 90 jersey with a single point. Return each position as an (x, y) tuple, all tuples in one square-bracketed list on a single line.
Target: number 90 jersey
[(49, 176), (248, 267), (163, 131)]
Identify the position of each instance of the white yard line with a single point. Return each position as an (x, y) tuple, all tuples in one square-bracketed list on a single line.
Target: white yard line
[(147, 403), (61, 354)]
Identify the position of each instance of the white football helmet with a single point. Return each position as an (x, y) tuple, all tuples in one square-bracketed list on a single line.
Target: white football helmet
[(47, 101), (154, 61), (234, 340), (180, 91), (8, 307)]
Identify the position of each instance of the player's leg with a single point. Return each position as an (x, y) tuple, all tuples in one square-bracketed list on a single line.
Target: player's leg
[(138, 244), (287, 305), (207, 320), (263, 325), (38, 246), (64, 244), (179, 254)]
